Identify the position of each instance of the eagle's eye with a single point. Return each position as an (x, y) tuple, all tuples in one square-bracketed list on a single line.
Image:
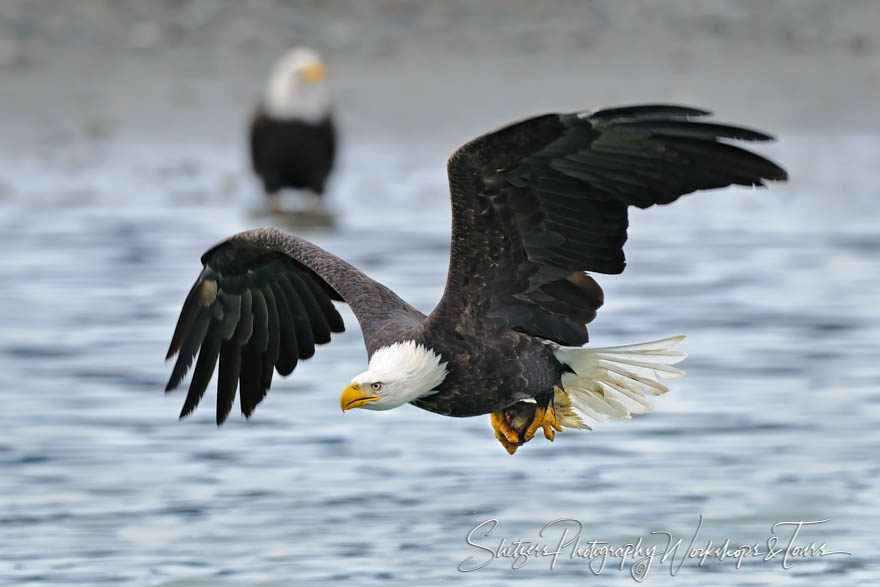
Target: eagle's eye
[(376, 386)]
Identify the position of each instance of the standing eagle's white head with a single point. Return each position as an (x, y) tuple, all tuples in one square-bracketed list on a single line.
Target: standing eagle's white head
[(297, 88), (396, 375)]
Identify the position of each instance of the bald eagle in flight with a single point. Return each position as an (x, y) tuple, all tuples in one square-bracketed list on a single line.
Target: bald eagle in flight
[(535, 205), (292, 137)]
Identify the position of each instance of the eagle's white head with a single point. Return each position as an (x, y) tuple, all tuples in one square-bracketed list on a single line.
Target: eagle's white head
[(397, 374), (297, 88)]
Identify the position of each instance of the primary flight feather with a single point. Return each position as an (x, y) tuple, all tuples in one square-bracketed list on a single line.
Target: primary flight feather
[(535, 205)]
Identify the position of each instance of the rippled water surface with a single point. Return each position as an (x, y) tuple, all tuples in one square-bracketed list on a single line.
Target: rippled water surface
[(777, 291)]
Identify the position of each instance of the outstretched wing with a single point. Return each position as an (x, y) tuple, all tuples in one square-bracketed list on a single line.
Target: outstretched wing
[(538, 203), (262, 303)]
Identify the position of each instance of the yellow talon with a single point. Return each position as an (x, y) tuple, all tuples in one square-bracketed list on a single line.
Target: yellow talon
[(550, 423), (537, 419), (544, 418), (509, 447), (503, 429), (505, 434), (527, 417)]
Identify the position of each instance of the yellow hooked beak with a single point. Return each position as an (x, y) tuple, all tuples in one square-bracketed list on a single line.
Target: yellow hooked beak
[(353, 397), (313, 72)]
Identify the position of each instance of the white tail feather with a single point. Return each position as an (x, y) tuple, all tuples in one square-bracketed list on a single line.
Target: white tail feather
[(611, 382)]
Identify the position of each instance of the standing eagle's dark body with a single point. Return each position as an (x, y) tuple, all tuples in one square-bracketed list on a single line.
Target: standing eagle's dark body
[(292, 153), (534, 206), (292, 135)]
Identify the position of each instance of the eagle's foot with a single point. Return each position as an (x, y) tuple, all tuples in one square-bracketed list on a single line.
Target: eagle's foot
[(504, 431), (508, 446), (516, 425), (544, 418)]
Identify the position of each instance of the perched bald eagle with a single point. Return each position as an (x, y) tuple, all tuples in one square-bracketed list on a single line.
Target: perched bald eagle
[(292, 137), (534, 206)]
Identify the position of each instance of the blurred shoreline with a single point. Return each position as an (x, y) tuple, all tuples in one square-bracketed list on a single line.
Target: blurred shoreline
[(789, 65), (35, 31)]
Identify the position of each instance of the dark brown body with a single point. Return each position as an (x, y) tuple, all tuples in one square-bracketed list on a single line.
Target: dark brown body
[(292, 153), (488, 373)]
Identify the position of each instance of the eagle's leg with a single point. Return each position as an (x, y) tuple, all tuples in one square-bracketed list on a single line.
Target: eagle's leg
[(517, 424), (545, 418), (504, 431)]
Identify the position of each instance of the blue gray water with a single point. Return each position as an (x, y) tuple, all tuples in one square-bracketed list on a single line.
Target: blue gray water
[(102, 222)]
